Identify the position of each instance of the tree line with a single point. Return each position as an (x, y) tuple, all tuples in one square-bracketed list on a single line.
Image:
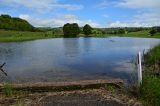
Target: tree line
[(73, 30), (69, 30), (13, 23)]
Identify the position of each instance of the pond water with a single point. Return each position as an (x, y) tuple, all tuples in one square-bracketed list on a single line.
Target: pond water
[(70, 59)]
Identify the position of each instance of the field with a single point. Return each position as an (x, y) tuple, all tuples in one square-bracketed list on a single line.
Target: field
[(141, 34), (11, 36)]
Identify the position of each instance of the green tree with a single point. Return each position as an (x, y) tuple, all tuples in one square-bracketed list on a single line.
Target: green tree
[(87, 29), (152, 32), (71, 30), (12, 23), (121, 31)]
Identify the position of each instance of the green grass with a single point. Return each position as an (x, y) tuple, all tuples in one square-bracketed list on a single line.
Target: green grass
[(11, 36), (8, 89), (19, 103), (140, 34), (150, 88), (153, 55), (14, 36)]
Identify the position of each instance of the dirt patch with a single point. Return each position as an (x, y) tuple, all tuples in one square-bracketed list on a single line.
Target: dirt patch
[(94, 97)]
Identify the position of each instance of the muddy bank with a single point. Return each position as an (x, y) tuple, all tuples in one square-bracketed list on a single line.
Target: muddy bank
[(81, 93), (94, 97), (65, 86)]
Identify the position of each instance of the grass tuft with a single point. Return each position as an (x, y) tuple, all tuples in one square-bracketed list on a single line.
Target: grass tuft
[(8, 89), (150, 90)]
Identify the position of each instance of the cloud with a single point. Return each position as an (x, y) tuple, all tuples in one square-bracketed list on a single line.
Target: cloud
[(2, 12), (57, 21), (139, 20), (148, 18), (106, 16), (139, 4), (124, 24), (147, 13), (40, 5), (103, 4), (134, 4)]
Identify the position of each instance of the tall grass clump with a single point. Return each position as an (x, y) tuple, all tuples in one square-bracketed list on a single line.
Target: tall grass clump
[(153, 55), (8, 89), (150, 90)]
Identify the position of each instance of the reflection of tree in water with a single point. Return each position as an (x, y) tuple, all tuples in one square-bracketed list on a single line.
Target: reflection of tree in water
[(5, 52), (71, 46), (87, 44)]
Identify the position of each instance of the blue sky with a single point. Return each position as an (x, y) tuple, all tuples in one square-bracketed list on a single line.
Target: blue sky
[(97, 13)]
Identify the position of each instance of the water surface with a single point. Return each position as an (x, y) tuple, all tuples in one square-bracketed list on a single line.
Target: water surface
[(70, 59)]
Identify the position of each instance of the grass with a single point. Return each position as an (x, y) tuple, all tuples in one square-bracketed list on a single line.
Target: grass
[(153, 55), (139, 34), (12, 36), (8, 89), (19, 103), (150, 88)]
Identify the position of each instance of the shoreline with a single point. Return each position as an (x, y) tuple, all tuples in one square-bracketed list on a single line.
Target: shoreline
[(65, 86), (20, 36), (106, 92)]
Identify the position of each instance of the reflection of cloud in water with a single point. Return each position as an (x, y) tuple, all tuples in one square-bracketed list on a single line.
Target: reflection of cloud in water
[(124, 66)]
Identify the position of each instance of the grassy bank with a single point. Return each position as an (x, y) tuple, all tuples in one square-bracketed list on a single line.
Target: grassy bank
[(11, 36), (140, 34), (150, 88)]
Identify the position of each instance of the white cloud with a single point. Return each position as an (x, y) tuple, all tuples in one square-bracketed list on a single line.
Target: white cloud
[(106, 16), (24, 16), (149, 19), (139, 3), (140, 20), (1, 12), (104, 4), (40, 5), (124, 24), (58, 21), (147, 13)]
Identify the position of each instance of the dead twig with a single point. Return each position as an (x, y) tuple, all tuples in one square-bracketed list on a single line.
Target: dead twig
[(1, 68)]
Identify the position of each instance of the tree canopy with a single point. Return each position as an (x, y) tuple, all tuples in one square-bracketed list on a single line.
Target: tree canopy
[(87, 29), (71, 30), (12, 23), (152, 32)]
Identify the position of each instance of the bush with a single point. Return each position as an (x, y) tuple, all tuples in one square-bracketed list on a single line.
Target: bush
[(152, 32)]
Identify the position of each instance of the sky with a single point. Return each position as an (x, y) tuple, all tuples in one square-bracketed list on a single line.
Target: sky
[(97, 13)]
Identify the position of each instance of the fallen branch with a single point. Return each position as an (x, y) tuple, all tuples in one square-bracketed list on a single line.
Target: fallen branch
[(2, 69)]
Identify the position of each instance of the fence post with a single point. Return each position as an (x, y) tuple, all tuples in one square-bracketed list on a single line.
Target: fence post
[(139, 69)]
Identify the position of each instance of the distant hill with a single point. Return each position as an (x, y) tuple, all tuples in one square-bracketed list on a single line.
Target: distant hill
[(12, 23)]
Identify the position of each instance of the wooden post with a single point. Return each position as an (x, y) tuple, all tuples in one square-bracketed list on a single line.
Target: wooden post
[(139, 69)]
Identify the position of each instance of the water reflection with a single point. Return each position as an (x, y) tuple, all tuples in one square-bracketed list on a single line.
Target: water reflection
[(71, 47)]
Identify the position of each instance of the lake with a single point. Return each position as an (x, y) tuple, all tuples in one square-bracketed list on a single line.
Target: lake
[(71, 59)]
